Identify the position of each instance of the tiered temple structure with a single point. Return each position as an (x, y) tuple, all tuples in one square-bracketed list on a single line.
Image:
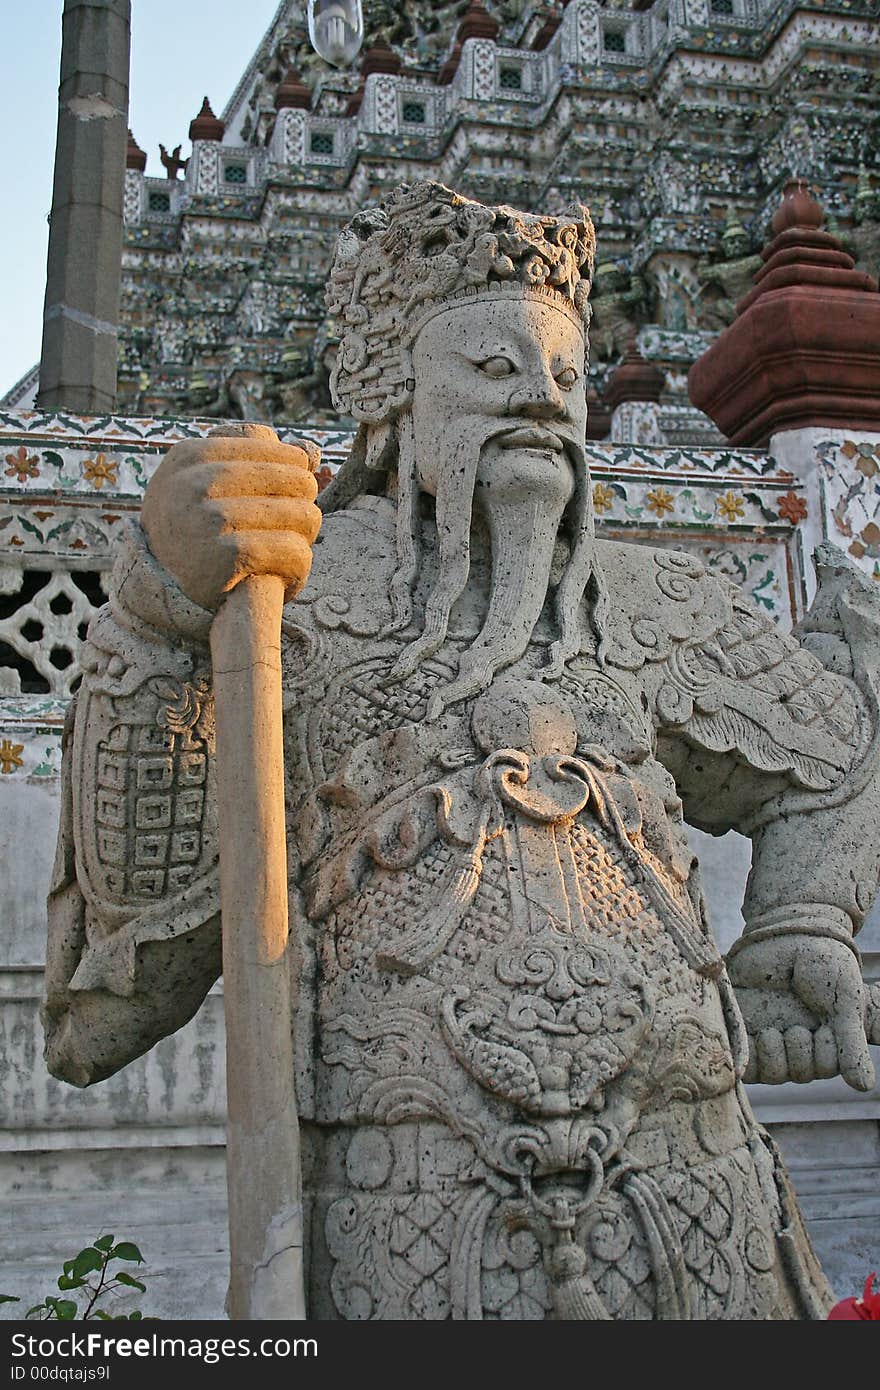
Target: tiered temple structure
[(677, 122), (687, 126)]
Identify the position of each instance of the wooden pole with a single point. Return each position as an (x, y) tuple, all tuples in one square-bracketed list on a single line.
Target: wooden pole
[(263, 1155)]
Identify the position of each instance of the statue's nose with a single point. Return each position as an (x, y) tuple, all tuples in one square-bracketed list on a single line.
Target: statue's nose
[(538, 399)]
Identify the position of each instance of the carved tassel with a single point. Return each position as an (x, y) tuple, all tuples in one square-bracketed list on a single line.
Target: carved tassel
[(575, 1298), (457, 889)]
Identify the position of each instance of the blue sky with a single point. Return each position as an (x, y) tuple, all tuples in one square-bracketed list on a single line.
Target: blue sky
[(181, 50)]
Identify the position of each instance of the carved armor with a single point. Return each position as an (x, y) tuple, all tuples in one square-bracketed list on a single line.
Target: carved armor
[(518, 1052)]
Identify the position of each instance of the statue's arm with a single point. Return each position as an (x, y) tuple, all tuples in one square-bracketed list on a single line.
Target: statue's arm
[(134, 938), (796, 968), (784, 745)]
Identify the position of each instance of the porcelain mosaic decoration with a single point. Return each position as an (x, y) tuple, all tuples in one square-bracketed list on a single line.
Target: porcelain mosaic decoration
[(678, 123)]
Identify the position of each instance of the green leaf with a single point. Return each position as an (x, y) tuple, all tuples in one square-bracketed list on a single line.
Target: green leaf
[(67, 1266), (9, 1298), (99, 1313), (135, 1316), (67, 1281), (86, 1261), (126, 1251), (37, 1308), (104, 1243), (65, 1309), (757, 501), (130, 1282)]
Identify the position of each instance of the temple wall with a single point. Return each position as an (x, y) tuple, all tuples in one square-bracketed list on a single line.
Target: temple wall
[(142, 1154)]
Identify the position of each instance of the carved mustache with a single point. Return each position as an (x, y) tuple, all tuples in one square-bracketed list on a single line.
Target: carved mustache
[(536, 436), (530, 437)]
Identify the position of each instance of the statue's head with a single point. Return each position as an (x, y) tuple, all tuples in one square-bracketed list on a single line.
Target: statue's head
[(735, 242), (610, 278), (463, 355)]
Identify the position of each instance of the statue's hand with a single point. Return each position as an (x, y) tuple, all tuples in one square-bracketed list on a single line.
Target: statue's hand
[(221, 508), (806, 1008)]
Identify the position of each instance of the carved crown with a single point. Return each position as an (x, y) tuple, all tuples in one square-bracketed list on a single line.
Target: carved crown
[(423, 250)]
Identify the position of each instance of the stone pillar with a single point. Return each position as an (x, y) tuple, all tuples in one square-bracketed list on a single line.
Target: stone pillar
[(80, 317), (797, 372)]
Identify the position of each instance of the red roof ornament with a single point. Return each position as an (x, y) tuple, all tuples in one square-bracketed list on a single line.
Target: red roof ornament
[(598, 415), (355, 101), (797, 209), (450, 67), (292, 92), (804, 349), (380, 58), (324, 476), (546, 32), (206, 125), (634, 380), (135, 157), (477, 23)]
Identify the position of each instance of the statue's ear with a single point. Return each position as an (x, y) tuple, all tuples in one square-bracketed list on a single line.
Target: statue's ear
[(372, 453), (380, 441)]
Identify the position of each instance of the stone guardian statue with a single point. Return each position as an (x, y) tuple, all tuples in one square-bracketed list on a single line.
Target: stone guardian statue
[(519, 1055)]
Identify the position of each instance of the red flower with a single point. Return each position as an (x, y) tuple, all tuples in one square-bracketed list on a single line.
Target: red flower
[(792, 508), (864, 1309), (22, 465)]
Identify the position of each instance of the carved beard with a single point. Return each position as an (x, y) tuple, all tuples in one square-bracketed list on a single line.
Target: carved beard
[(523, 533)]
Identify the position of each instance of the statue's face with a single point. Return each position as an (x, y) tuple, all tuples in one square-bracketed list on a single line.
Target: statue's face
[(607, 280), (735, 244), (509, 374)]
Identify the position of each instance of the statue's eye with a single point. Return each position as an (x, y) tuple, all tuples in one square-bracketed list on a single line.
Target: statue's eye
[(566, 378), (497, 366)]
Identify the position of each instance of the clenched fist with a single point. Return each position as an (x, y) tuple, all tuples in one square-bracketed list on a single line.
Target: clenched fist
[(235, 504), (807, 1011)]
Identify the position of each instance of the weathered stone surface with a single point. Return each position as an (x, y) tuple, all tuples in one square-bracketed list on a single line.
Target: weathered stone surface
[(518, 1048)]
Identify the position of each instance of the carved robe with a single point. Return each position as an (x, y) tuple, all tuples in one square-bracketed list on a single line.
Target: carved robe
[(518, 1051)]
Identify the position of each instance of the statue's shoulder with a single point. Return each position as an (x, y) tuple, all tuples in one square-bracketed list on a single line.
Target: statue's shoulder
[(353, 560), (730, 679), (656, 599)]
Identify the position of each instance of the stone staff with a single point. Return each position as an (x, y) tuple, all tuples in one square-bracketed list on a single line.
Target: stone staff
[(263, 1149)]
